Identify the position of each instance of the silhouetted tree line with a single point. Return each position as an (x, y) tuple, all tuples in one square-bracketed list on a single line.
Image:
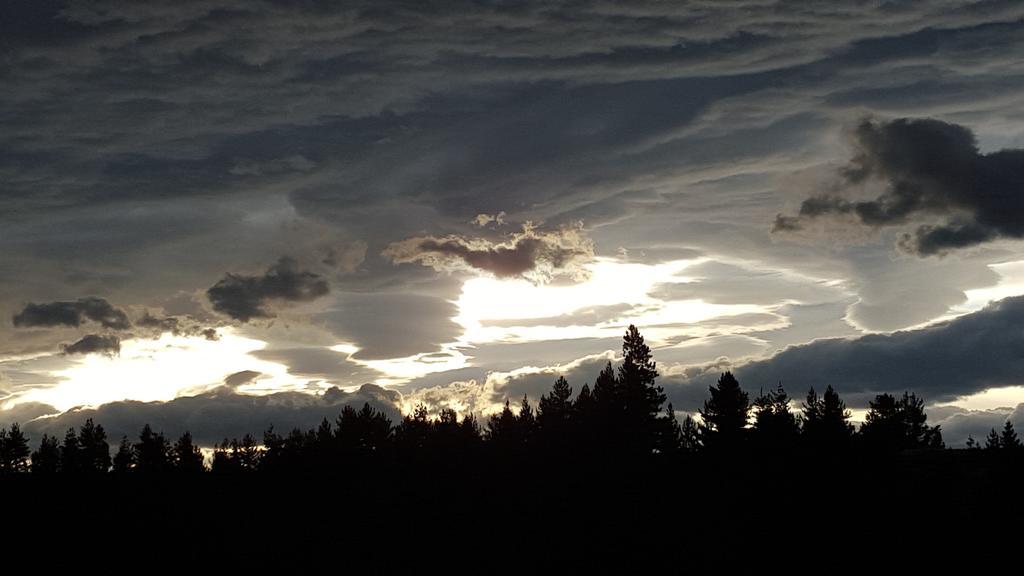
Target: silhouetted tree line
[(623, 415)]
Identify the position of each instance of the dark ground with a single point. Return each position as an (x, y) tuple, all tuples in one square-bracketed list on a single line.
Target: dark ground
[(919, 513)]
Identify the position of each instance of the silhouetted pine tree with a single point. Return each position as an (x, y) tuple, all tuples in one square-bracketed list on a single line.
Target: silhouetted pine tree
[(364, 432), (94, 449), (323, 447), (670, 439), (502, 430), (186, 457), (554, 416), (469, 430), (725, 415), (775, 426), (222, 463), (993, 441), (606, 409), (584, 419), (46, 460), (14, 450), (826, 421), (124, 459), (971, 443), (245, 453), (1008, 439), (893, 424), (412, 434), (526, 423), (451, 441), (690, 435), (444, 435), (641, 428), (152, 452), (70, 453)]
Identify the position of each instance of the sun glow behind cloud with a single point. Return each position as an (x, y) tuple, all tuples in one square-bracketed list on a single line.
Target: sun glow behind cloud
[(610, 282), (159, 370), (492, 310)]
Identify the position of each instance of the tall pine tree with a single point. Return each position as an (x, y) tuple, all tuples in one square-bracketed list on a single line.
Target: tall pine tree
[(641, 427), (725, 415)]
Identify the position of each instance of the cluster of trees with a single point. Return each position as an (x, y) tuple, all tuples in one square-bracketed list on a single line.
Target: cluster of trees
[(1005, 440), (622, 415)]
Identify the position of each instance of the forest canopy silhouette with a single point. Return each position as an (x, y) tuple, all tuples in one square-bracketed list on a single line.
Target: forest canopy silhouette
[(607, 468), (622, 415)]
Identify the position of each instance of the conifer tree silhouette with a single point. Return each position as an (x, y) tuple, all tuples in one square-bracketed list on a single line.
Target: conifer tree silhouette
[(725, 415), (584, 421), (826, 421), (640, 425), (94, 449), (554, 416), (670, 439), (222, 463), (413, 433), (46, 460), (362, 432), (186, 457), (993, 441), (14, 450), (1008, 439), (690, 435), (509, 433), (775, 427), (526, 423), (152, 452), (895, 425), (501, 428), (124, 458), (70, 453)]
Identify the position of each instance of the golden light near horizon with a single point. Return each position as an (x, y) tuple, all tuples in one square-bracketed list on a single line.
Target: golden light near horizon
[(158, 370)]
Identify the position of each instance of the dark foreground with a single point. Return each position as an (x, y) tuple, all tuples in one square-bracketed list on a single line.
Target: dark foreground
[(913, 513)]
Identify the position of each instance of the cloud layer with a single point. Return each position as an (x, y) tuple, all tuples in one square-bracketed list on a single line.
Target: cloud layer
[(941, 363), (147, 149), (930, 169)]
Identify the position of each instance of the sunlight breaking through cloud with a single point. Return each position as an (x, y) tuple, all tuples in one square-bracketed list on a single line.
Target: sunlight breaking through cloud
[(160, 370)]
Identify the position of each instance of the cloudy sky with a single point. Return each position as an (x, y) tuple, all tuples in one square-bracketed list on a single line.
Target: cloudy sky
[(218, 215)]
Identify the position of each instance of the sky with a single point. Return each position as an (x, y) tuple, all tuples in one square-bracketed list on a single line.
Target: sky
[(220, 215)]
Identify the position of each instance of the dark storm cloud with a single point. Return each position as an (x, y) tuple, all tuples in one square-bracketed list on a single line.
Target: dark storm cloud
[(245, 297), (220, 414), (94, 344), (963, 356), (72, 313), (528, 254), (929, 168)]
